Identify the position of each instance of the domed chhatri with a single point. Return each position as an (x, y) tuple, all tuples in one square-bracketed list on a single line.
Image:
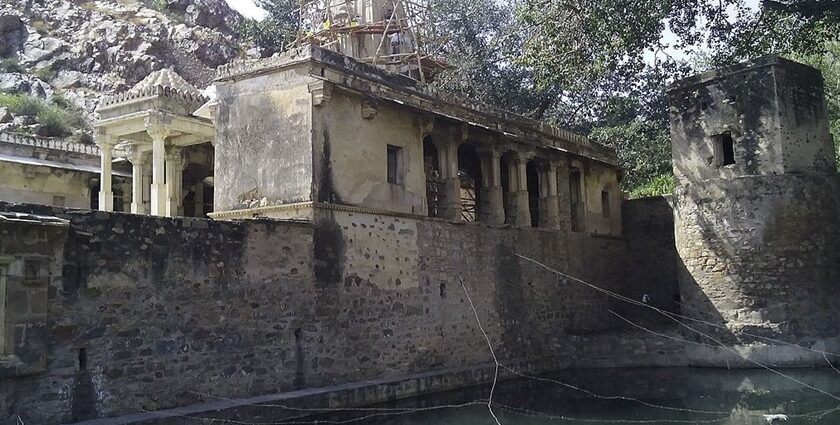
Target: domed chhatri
[(166, 78), (154, 118)]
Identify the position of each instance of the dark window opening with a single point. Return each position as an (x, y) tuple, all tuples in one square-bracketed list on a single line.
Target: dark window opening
[(83, 360), (507, 184), (119, 199), (576, 200), (725, 149), (394, 165), (533, 177), (442, 290), (605, 203)]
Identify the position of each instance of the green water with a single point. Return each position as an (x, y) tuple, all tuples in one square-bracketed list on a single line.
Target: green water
[(680, 396)]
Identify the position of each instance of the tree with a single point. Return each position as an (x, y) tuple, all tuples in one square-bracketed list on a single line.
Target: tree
[(274, 33), (829, 63), (598, 54)]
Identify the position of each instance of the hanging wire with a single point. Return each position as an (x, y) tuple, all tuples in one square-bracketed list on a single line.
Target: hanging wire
[(641, 304)]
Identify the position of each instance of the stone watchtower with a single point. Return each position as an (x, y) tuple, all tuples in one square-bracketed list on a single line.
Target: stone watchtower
[(756, 211)]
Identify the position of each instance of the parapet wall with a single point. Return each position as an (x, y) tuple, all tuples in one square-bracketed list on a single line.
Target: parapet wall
[(150, 313)]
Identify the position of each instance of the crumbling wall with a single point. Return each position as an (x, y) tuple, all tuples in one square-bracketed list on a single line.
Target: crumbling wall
[(756, 233), (264, 142), (352, 134), (760, 255), (150, 313)]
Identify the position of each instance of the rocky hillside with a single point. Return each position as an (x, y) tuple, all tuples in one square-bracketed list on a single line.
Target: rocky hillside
[(58, 57)]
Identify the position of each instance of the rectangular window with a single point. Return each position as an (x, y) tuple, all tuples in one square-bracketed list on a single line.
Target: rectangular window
[(724, 149), (605, 203), (3, 271), (59, 201), (395, 165)]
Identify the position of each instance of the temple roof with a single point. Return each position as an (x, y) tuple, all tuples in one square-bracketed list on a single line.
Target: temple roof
[(166, 78), (173, 93)]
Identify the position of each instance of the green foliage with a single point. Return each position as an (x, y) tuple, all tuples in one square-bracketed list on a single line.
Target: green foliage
[(644, 150), (658, 186), (11, 65), (55, 122), (21, 104), (57, 119), (161, 5), (828, 61), (45, 74), (277, 30)]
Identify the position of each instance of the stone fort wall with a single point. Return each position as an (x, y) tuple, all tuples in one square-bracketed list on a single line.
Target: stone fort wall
[(760, 255), (147, 313)]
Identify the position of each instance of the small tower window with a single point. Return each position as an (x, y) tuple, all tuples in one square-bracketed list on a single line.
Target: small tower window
[(395, 165), (724, 149)]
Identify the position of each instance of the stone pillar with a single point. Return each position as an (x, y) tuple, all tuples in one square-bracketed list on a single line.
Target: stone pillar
[(523, 209), (106, 193), (492, 200), (174, 179), (549, 206), (158, 189), (450, 202), (137, 182), (564, 210), (147, 183), (198, 189)]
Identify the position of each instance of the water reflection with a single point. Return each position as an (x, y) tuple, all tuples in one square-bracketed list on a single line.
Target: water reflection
[(664, 396)]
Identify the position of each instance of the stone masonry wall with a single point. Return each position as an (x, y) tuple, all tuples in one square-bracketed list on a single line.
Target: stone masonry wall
[(759, 255), (649, 229), (150, 313)]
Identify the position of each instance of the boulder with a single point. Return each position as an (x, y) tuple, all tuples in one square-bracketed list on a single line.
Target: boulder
[(5, 116), (13, 34), (24, 84)]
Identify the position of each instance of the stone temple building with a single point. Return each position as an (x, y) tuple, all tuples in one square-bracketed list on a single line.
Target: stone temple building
[(358, 213)]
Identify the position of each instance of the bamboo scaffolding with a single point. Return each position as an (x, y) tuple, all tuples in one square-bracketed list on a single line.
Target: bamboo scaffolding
[(344, 30)]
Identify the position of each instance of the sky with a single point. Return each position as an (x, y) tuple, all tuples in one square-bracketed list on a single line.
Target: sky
[(247, 8)]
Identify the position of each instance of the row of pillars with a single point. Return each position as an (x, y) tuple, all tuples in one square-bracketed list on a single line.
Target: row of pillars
[(492, 209), (162, 184)]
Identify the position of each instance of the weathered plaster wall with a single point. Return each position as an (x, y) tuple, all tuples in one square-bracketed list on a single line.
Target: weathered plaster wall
[(41, 185), (167, 308), (758, 240), (263, 148), (600, 178), (351, 168), (774, 110)]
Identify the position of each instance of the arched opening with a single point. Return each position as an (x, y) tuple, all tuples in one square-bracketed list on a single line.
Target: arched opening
[(533, 176), (431, 164), (469, 173)]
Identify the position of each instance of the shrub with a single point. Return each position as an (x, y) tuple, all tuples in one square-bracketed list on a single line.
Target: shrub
[(45, 74), (55, 122), (658, 186), (21, 104), (11, 65)]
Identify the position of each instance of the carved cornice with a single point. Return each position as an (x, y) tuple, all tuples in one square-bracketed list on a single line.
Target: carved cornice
[(321, 92)]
